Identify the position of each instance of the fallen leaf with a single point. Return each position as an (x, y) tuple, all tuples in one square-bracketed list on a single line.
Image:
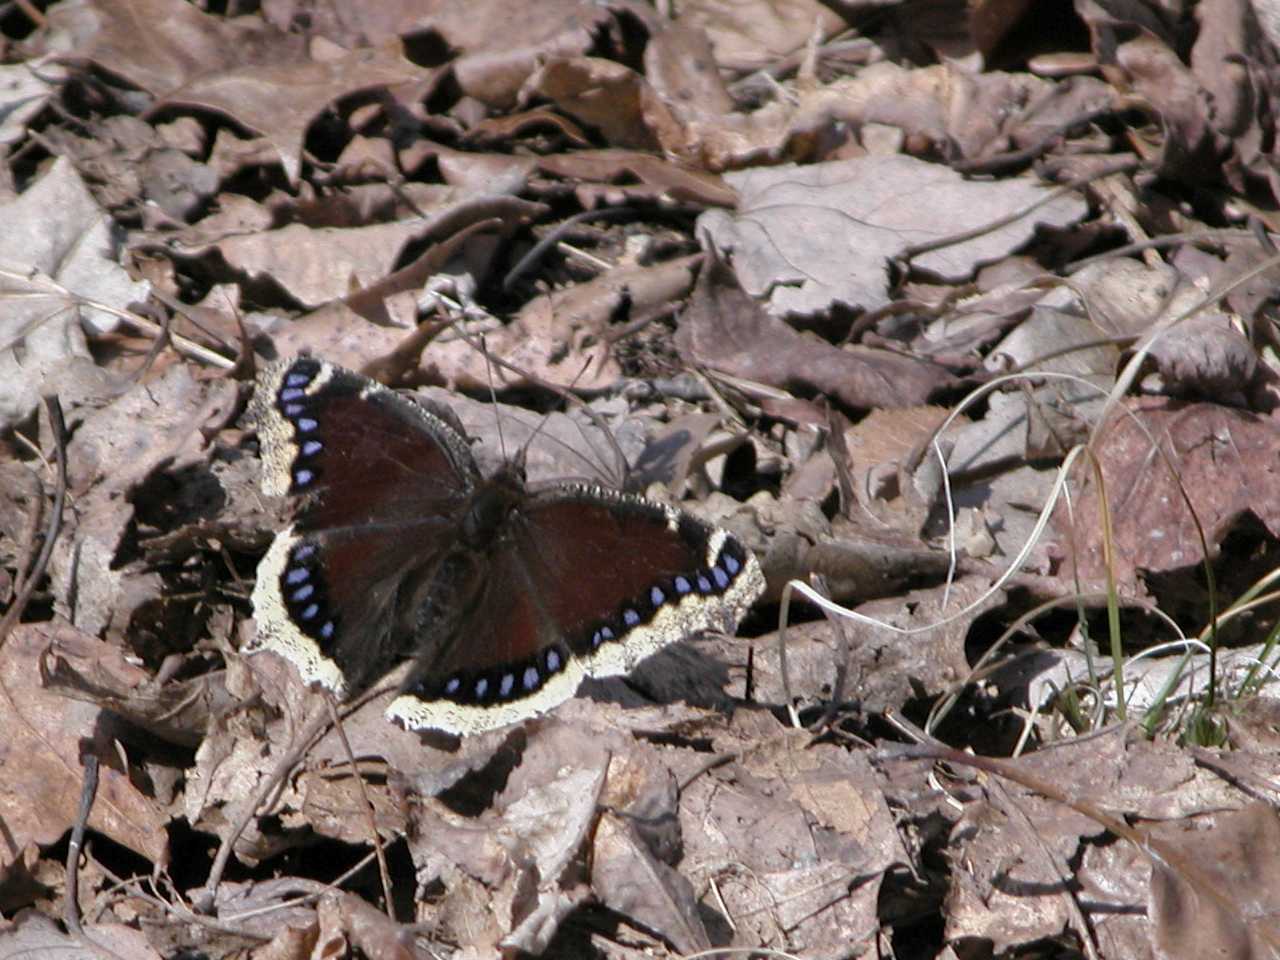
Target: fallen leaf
[(1224, 459), (502, 44), (265, 79), (54, 229), (767, 859), (749, 35), (726, 330), (806, 239), (601, 94), (25, 90), (41, 760), (31, 934), (1238, 915)]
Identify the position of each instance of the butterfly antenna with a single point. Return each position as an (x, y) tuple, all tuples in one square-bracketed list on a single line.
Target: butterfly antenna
[(620, 458), (564, 393), (493, 396), (596, 421)]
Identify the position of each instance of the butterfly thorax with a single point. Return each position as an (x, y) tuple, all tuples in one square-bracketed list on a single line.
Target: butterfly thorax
[(491, 504)]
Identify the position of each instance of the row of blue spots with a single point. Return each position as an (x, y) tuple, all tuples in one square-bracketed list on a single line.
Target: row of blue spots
[(291, 396), (293, 391), (503, 687), (530, 679), (299, 588), (721, 577)]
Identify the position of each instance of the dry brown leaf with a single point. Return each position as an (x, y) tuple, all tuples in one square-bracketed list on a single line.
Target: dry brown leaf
[(1225, 459), (346, 919), (628, 878), (502, 43), (115, 451), (1240, 852), (749, 35), (1066, 337), (1206, 356), (601, 94), (794, 840), (31, 934), (42, 772), (267, 80), (25, 89), (55, 229), (658, 177), (686, 91), (943, 105), (681, 67), (726, 330), (806, 238), (335, 332), (498, 130), (559, 337), (882, 445), (154, 426), (280, 100), (1010, 889), (526, 848), (636, 848), (178, 712), (1214, 111), (1012, 857), (318, 266), (1115, 877), (888, 670)]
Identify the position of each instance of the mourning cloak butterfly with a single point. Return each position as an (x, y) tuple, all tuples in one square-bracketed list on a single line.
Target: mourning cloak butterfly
[(505, 598)]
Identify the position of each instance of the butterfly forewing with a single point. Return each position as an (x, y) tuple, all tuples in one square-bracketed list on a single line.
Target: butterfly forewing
[(376, 481), (358, 452)]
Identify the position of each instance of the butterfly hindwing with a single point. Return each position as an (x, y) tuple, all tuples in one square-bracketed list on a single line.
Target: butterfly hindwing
[(589, 583)]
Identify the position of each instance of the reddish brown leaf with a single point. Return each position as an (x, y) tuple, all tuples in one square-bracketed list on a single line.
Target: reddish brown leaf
[(1225, 460), (40, 766), (726, 330)]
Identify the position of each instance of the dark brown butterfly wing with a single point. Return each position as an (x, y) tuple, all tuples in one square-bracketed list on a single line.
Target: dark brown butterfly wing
[(585, 582), (378, 483)]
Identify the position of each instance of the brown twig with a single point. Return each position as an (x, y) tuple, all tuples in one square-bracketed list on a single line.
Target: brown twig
[(383, 872), (311, 732), (71, 906), (22, 595), (1124, 166), (539, 249), (1001, 161), (204, 903), (32, 13)]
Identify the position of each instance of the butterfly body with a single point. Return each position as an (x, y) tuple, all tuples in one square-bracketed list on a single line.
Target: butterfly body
[(504, 597)]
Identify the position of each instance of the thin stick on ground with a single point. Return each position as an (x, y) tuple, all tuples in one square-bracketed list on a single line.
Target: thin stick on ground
[(205, 901), (58, 427), (383, 872), (71, 908)]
